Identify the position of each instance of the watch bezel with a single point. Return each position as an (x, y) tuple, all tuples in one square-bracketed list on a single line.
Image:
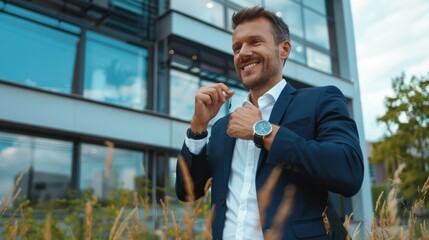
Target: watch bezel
[(258, 138), (255, 130)]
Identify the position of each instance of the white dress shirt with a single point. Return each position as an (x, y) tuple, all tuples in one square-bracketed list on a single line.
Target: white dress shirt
[(242, 214)]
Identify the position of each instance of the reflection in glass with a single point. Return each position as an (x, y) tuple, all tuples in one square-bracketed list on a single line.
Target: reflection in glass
[(172, 173), (290, 12), (49, 160), (319, 60), (247, 3), (318, 5), (126, 172), (229, 13), (35, 55), (316, 29), (205, 10), (183, 87), (298, 52), (115, 72)]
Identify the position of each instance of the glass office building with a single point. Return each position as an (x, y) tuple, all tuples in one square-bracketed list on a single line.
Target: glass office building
[(79, 76)]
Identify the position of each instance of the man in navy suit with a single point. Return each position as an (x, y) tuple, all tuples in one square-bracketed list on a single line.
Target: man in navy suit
[(305, 136)]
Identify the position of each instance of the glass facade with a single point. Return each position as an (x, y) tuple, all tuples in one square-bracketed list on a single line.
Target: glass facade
[(36, 55), (308, 24), (316, 29), (247, 3), (49, 162), (309, 27), (115, 72), (183, 87), (318, 60), (106, 169), (45, 53), (206, 10)]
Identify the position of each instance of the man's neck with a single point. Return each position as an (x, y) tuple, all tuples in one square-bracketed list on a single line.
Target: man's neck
[(256, 93)]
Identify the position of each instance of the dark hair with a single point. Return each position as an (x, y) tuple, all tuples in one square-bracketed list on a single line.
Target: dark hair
[(280, 28)]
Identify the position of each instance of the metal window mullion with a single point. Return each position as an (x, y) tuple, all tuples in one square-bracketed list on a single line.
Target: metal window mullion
[(79, 68)]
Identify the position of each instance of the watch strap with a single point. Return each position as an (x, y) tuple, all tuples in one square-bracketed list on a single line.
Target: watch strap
[(258, 140), (196, 136)]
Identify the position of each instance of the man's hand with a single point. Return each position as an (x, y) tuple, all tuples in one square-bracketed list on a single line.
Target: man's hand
[(208, 101), (242, 120)]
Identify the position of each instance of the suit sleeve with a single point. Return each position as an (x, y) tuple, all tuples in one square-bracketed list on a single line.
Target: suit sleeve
[(333, 158), (197, 166)]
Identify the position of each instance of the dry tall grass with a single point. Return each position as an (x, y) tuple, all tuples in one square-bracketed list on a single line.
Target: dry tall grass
[(128, 224)]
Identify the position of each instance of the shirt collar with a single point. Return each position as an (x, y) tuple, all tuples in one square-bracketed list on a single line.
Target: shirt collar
[(270, 96)]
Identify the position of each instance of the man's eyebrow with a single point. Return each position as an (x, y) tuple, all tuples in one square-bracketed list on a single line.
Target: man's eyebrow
[(252, 37)]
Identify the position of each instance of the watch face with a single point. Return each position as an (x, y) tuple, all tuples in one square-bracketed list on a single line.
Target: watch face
[(263, 128)]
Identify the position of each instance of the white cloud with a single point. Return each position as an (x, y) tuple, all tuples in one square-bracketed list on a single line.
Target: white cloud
[(391, 38), (373, 104), (419, 68)]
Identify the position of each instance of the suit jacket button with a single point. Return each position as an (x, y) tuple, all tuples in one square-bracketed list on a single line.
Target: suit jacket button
[(288, 166), (282, 162), (222, 202)]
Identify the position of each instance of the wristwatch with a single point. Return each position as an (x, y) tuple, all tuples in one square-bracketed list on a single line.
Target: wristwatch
[(261, 129), (196, 136)]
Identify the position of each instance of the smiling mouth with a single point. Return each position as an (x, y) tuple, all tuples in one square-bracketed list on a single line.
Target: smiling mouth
[(247, 67)]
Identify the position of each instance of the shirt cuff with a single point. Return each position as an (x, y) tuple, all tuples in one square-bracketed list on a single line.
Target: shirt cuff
[(195, 146)]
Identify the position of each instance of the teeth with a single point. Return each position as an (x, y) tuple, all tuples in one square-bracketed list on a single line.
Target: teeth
[(249, 66)]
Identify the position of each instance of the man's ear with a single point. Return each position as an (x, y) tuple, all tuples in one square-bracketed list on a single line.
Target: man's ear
[(285, 49)]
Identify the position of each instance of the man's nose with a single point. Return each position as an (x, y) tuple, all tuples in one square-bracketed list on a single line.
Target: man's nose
[(245, 50)]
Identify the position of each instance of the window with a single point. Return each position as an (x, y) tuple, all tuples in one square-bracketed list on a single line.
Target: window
[(298, 51), (126, 172), (205, 10), (115, 72), (316, 29), (318, 60), (318, 5), (49, 162), (229, 12), (291, 12), (309, 29), (247, 3), (183, 87), (36, 55)]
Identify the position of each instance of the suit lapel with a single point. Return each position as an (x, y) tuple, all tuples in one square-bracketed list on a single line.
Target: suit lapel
[(278, 112), (229, 144)]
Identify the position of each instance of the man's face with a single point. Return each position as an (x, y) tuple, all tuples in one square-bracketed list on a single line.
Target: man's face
[(257, 57)]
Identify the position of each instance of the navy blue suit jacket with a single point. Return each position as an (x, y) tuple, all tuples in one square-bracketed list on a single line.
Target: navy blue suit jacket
[(317, 147)]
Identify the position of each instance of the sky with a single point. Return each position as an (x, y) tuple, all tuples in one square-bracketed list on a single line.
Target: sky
[(391, 37)]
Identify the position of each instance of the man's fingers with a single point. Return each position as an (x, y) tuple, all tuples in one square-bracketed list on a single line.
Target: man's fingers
[(204, 97), (214, 94), (250, 106), (221, 95)]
